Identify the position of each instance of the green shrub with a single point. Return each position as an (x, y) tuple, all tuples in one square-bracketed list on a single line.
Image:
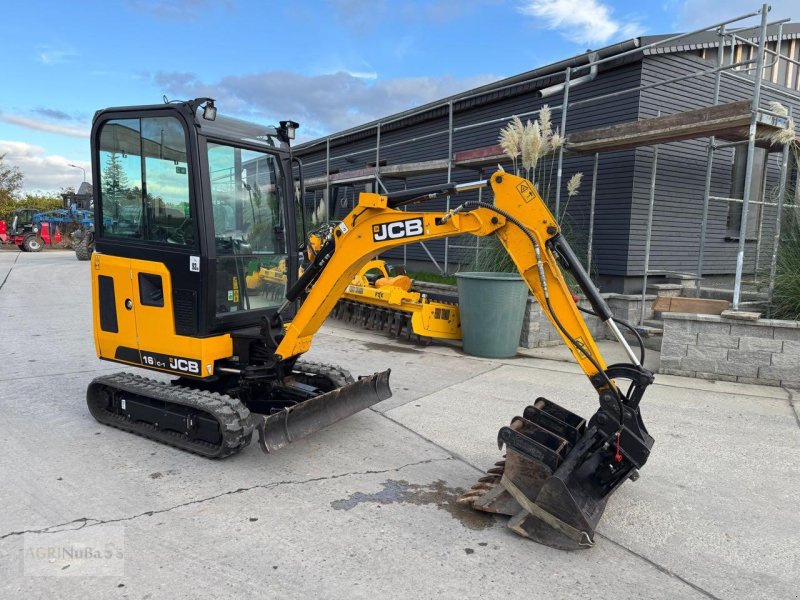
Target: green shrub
[(786, 298)]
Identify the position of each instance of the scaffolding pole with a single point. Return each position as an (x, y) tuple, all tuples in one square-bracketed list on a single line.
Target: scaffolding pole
[(327, 177), (564, 107), (591, 212), (649, 234), (751, 145), (449, 176), (709, 165)]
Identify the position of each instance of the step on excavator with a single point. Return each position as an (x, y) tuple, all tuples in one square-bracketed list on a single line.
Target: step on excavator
[(188, 200)]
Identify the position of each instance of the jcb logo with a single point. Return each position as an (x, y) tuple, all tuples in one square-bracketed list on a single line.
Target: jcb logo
[(397, 230), (182, 364)]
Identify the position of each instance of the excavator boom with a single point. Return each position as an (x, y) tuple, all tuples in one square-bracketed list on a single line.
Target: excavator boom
[(559, 469)]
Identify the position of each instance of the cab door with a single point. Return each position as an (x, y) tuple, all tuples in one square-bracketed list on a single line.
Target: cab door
[(114, 318)]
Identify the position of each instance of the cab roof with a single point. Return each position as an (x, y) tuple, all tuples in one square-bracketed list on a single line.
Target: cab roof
[(223, 128)]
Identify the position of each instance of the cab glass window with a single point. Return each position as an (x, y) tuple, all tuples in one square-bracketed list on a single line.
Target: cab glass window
[(144, 181), (247, 190)]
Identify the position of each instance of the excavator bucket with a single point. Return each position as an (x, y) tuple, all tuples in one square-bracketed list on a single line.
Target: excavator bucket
[(557, 474), (291, 424)]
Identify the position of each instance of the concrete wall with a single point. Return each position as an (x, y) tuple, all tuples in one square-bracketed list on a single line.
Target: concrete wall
[(766, 351), (537, 331)]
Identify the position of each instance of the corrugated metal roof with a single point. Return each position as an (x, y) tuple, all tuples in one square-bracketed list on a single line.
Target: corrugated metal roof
[(710, 39)]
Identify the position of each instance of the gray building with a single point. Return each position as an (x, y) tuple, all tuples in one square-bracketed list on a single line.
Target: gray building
[(631, 81)]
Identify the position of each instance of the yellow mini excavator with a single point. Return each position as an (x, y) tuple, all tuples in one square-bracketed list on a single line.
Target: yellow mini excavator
[(186, 202), (377, 300)]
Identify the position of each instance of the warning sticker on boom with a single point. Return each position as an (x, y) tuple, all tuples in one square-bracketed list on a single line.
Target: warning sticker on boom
[(526, 191), (583, 350)]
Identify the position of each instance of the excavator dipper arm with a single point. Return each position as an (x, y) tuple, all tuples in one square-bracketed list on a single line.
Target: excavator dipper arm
[(559, 468)]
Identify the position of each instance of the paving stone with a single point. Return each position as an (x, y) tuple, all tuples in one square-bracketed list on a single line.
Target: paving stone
[(786, 360), (672, 335), (751, 331), (703, 326), (760, 344), (790, 347), (737, 369), (783, 333), (670, 350), (781, 373), (696, 364), (707, 353), (718, 340), (669, 363), (678, 372), (750, 358)]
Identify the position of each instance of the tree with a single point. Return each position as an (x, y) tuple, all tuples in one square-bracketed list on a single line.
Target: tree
[(114, 182), (10, 181), (10, 186)]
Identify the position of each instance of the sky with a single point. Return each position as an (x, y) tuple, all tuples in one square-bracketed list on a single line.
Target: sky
[(329, 64)]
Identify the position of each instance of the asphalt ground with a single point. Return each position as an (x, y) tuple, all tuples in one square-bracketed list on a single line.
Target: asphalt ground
[(366, 508)]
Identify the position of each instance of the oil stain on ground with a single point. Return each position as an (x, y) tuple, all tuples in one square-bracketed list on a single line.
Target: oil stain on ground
[(391, 348), (436, 494)]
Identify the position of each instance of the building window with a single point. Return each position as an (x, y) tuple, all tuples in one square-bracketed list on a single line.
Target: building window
[(737, 191)]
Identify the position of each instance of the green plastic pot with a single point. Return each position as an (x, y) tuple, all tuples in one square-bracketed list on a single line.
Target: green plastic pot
[(492, 308)]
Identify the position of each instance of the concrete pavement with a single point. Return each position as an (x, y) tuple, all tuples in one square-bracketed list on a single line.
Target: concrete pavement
[(366, 507)]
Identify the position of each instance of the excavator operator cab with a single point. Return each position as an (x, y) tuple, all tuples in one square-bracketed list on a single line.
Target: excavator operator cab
[(190, 204)]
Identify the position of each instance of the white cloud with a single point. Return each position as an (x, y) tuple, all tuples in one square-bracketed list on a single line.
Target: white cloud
[(42, 172), (363, 74), (54, 56), (692, 14), (581, 21), (46, 126), (321, 103)]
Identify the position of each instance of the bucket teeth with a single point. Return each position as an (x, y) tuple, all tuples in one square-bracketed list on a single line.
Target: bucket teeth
[(470, 496), (466, 500), (555, 478), (482, 487)]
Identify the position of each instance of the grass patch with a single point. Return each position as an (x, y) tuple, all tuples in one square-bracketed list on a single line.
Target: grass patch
[(432, 277)]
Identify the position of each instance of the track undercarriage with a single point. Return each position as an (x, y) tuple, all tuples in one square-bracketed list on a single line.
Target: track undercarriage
[(214, 424)]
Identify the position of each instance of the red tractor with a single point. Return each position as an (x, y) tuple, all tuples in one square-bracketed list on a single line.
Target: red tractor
[(21, 231)]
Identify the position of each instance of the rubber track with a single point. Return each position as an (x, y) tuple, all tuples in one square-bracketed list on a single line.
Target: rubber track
[(232, 416), (336, 375)]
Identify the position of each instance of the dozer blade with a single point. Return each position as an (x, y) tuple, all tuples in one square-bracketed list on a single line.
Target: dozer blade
[(291, 424), (559, 473)]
